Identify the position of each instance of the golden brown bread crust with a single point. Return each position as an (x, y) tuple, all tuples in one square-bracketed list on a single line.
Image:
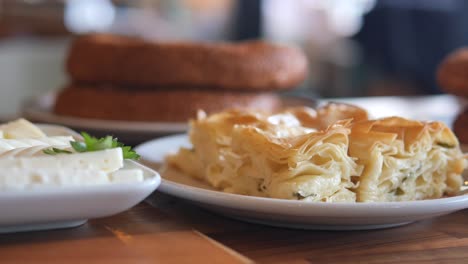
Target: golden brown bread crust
[(460, 126), (252, 65), (452, 73), (109, 103)]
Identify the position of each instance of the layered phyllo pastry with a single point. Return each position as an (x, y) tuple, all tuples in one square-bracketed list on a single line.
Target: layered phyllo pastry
[(330, 154), (405, 160)]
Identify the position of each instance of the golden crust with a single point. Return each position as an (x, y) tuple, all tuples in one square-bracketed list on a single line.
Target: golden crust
[(291, 118), (452, 73), (119, 60), (327, 114), (331, 113), (410, 132), (108, 103)]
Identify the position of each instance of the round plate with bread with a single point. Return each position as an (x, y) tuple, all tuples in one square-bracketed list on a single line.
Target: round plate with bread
[(41, 109), (132, 132), (135, 87)]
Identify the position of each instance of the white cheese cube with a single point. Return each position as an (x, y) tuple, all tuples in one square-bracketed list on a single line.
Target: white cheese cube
[(127, 176), (20, 179)]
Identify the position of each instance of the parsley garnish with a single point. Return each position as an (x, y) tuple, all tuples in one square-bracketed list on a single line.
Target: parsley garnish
[(91, 143), (55, 151)]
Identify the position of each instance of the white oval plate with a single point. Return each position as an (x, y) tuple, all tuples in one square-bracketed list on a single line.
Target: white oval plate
[(290, 213), (57, 207), (40, 110)]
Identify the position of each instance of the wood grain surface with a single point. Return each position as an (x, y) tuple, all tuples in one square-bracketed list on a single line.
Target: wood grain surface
[(140, 235), (439, 240), (173, 231)]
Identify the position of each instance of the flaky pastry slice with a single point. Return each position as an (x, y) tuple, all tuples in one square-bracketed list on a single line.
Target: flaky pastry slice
[(271, 155), (311, 167), (405, 160)]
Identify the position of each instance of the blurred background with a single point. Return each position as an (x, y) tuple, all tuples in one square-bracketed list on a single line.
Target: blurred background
[(356, 47)]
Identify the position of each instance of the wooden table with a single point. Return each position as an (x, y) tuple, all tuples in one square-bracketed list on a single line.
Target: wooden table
[(174, 231)]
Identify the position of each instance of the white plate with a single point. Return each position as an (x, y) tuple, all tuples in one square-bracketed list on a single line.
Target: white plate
[(71, 206), (433, 107), (290, 213), (131, 132), (440, 107), (40, 110)]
